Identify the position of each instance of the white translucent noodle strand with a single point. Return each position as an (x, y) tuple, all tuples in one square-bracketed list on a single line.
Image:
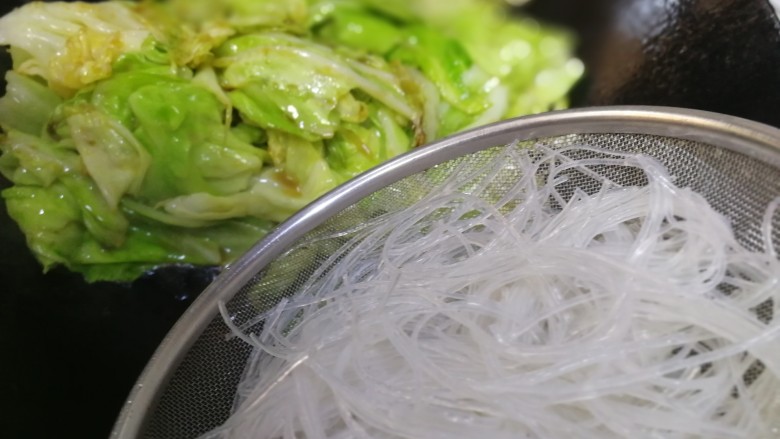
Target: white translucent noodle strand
[(563, 304)]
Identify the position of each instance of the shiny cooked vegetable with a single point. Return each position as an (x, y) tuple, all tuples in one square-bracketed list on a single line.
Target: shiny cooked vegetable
[(182, 131)]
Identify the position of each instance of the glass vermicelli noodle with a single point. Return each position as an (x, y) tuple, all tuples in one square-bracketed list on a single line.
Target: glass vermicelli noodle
[(565, 306)]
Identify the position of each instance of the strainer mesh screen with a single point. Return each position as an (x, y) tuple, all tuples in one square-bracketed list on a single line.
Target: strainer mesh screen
[(201, 392)]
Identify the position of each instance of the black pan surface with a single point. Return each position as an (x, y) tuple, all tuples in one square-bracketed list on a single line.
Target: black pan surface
[(71, 351)]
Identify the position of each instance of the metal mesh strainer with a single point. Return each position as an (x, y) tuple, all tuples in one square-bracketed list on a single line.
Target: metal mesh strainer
[(189, 385)]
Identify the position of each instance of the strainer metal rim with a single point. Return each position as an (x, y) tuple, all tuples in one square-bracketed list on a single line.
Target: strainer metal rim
[(756, 140)]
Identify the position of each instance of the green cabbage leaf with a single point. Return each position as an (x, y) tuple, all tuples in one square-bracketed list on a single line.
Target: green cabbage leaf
[(140, 134)]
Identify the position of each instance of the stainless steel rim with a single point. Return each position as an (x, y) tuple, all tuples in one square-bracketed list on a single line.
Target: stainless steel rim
[(757, 140)]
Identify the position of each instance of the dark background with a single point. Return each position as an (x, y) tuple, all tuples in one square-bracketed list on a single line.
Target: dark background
[(70, 352)]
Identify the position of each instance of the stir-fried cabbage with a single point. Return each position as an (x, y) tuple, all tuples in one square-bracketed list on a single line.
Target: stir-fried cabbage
[(181, 131)]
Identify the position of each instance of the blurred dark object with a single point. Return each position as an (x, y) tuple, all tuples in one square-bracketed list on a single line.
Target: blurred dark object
[(715, 55), (70, 352)]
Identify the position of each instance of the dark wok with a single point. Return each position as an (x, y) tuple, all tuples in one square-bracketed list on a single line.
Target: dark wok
[(70, 352)]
